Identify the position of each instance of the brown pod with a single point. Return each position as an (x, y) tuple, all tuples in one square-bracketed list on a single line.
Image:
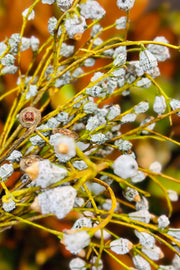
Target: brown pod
[(66, 132), (28, 161), (29, 117)]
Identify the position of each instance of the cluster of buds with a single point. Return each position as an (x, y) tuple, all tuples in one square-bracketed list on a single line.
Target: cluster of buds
[(80, 156)]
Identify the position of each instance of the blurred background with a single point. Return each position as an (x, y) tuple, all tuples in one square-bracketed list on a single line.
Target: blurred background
[(25, 248)]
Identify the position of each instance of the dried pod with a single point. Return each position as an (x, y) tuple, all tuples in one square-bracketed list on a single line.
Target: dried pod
[(66, 132), (28, 161), (29, 117)]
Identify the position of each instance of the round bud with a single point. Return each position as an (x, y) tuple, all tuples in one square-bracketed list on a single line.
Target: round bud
[(62, 148), (77, 36), (29, 117), (66, 132), (28, 161)]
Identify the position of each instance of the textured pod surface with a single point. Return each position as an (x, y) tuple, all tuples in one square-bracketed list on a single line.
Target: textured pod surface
[(28, 161), (29, 117)]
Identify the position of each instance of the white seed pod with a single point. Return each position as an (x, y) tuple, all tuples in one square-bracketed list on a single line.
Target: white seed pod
[(176, 262), (174, 233), (3, 48), (95, 122), (25, 44), (75, 242), (98, 41), (66, 50), (120, 60), (155, 72), (52, 123), (79, 101), (108, 204), (155, 167), (78, 126), (58, 201), (167, 267), (142, 107), (144, 83), (77, 72), (147, 60), (44, 173), (159, 105), (7, 60), (108, 52), (97, 264), (151, 126), (121, 246), (123, 145), (95, 188), (89, 62), (112, 84), (52, 22), (172, 194), (128, 118), (139, 177), (114, 111), (90, 107), (15, 156), (135, 68), (78, 202), (32, 91), (163, 222), (9, 70), (141, 263), (80, 164), (125, 4), (121, 23), (141, 215), (8, 206), (143, 204), (37, 141), (98, 138), (6, 170), (30, 16), (13, 42), (49, 2), (34, 43), (96, 91), (97, 76), (75, 26), (145, 239), (92, 10), (7, 203), (64, 4), (77, 264), (82, 146), (154, 253), (98, 234), (125, 166), (62, 117), (96, 29), (160, 52), (132, 194), (175, 104), (82, 223), (64, 146)]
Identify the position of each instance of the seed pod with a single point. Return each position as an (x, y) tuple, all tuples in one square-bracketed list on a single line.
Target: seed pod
[(121, 246), (29, 117), (64, 4), (28, 161), (66, 132)]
